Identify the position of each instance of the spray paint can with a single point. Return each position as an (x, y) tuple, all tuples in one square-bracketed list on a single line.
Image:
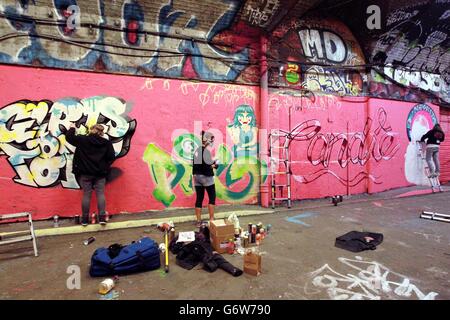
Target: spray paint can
[(268, 227), (254, 233), (93, 218), (262, 232), (258, 239), (238, 243), (77, 219), (245, 241), (250, 228), (258, 227), (171, 234), (89, 241), (55, 221)]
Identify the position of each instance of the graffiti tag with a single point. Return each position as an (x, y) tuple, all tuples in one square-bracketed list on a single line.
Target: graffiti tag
[(365, 280), (32, 139), (126, 37), (169, 170), (377, 143)]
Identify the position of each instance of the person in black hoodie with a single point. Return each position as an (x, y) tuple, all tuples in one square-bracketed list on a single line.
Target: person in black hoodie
[(203, 173), (433, 138), (91, 163)]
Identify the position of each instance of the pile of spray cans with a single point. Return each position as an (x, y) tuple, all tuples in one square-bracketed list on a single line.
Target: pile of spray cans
[(255, 234)]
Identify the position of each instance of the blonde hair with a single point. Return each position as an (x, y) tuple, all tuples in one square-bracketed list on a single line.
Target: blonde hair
[(97, 129)]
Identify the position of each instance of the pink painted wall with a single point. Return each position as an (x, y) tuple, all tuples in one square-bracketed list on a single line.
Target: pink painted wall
[(374, 129), (160, 107), (166, 110)]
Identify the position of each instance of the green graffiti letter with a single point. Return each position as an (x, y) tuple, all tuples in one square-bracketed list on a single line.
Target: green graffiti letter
[(159, 163)]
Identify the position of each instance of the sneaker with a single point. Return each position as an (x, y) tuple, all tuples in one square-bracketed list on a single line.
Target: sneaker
[(85, 221), (102, 219)]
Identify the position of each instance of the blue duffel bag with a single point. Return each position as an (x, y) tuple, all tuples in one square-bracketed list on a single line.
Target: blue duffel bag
[(142, 255)]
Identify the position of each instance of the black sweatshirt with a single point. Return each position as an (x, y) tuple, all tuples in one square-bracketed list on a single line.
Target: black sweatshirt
[(434, 137), (202, 162), (93, 155)]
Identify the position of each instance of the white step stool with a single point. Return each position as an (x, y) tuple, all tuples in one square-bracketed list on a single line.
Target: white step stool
[(28, 237)]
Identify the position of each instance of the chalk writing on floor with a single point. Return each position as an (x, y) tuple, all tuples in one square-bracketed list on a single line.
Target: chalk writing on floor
[(363, 280)]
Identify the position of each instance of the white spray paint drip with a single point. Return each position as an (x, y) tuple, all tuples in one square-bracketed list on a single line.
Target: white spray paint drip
[(371, 281), (414, 165)]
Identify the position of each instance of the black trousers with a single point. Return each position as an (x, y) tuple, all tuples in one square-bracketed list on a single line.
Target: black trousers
[(88, 184), (200, 191)]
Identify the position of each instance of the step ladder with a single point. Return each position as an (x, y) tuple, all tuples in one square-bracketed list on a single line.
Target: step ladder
[(31, 236), (435, 216), (434, 181), (280, 167)]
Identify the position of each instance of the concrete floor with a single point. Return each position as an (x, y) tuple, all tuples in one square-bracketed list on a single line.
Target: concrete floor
[(299, 258)]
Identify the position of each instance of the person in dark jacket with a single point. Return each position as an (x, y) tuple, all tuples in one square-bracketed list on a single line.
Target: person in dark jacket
[(93, 158), (203, 173), (433, 138)]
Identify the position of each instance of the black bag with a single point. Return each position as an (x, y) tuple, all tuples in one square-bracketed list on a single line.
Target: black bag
[(139, 256), (356, 241)]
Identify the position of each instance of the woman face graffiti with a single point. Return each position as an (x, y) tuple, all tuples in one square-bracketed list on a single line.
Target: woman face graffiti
[(244, 118)]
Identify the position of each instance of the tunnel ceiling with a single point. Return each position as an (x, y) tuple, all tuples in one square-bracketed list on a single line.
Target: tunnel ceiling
[(218, 40), (413, 35)]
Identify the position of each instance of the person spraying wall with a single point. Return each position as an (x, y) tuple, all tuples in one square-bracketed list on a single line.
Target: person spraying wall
[(203, 173), (93, 158), (433, 139)]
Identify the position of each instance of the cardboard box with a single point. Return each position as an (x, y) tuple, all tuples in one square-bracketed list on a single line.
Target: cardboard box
[(220, 244), (221, 228), (221, 232), (252, 263)]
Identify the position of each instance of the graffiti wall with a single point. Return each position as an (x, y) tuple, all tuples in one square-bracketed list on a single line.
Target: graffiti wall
[(408, 46), (31, 137), (350, 145), (163, 38), (154, 124), (414, 47), (300, 43)]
